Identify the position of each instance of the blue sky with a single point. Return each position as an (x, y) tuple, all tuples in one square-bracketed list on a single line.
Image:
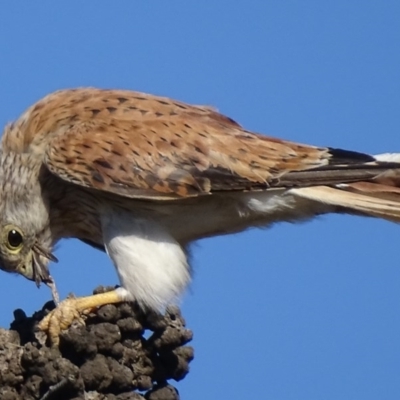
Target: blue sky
[(309, 311)]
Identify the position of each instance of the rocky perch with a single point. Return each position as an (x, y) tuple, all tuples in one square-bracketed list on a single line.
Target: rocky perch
[(121, 354)]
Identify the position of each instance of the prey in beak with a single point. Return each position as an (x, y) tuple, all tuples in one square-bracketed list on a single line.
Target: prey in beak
[(36, 269)]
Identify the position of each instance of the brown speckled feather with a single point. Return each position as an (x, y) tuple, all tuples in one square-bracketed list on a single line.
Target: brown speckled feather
[(144, 146)]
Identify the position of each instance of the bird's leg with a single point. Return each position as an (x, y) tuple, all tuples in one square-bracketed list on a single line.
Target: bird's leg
[(71, 309)]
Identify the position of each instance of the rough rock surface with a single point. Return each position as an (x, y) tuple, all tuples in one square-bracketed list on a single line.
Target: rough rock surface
[(121, 354)]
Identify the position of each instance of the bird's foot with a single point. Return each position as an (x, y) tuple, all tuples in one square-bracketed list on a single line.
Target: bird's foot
[(70, 310), (61, 318)]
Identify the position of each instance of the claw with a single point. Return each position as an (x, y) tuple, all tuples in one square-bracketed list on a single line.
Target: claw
[(70, 310), (60, 318)]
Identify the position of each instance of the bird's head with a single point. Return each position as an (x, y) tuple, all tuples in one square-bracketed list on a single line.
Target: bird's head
[(22, 253), (25, 235)]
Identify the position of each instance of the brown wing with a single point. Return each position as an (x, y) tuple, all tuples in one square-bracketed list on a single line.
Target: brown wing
[(143, 146), (164, 157), (180, 158)]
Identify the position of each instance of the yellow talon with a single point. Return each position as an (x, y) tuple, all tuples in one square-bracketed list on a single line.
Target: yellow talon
[(71, 309)]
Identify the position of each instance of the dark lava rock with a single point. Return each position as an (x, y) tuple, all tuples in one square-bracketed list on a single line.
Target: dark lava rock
[(107, 359)]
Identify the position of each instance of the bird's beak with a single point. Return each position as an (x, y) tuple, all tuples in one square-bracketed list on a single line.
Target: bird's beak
[(35, 265)]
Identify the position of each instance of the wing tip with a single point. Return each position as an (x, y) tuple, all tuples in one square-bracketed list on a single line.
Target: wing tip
[(340, 156)]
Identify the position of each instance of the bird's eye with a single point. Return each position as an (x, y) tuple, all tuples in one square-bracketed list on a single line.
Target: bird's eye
[(14, 239)]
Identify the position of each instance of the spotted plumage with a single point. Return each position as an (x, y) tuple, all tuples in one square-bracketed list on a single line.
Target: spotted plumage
[(142, 176)]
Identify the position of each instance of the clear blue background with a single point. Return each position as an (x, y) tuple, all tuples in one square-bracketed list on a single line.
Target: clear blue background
[(309, 311)]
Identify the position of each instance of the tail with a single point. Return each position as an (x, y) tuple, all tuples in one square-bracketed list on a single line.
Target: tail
[(379, 197)]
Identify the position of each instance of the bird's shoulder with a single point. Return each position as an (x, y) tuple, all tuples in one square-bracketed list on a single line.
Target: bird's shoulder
[(57, 112)]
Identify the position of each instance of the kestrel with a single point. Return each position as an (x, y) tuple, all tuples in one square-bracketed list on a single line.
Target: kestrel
[(142, 177)]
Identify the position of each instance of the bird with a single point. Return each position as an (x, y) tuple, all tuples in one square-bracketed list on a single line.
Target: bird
[(141, 177)]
